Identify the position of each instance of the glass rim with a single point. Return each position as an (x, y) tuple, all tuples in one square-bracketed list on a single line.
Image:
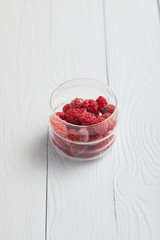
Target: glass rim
[(82, 126)]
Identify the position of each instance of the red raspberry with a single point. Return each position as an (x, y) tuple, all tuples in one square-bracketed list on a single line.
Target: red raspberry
[(82, 135), (67, 152), (60, 115), (54, 121), (90, 154), (77, 150), (60, 143), (91, 106), (98, 114), (108, 109), (111, 122), (76, 103), (102, 127), (105, 144), (87, 118), (71, 134), (66, 107), (101, 102), (109, 139), (59, 127), (100, 146), (106, 115), (95, 137), (108, 142), (72, 115)]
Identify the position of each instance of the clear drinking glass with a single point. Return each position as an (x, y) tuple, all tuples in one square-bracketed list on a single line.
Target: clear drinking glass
[(96, 146)]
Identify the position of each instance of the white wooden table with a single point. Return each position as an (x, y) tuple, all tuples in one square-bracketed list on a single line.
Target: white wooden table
[(45, 42)]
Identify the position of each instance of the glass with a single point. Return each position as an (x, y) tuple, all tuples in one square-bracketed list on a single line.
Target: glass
[(97, 144)]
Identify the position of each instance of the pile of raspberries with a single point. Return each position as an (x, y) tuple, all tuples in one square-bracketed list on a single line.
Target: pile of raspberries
[(90, 113)]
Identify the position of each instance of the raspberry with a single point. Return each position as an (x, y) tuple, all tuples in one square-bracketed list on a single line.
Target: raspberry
[(111, 124), (91, 106), (77, 150), (105, 144), (91, 152), (91, 131), (106, 115), (100, 146), (76, 103), (72, 115), (108, 142), (98, 114), (54, 121), (67, 152), (90, 155), (108, 108), (95, 137), (66, 107), (71, 134), (101, 102), (59, 127), (82, 135), (111, 121), (87, 118), (60, 115), (102, 127), (60, 143)]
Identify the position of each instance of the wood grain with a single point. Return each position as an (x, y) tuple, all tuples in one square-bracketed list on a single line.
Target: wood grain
[(133, 47), (43, 43), (24, 49), (118, 196), (80, 195)]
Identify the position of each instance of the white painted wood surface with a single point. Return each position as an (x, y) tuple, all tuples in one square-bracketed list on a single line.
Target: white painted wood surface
[(133, 44), (117, 197), (24, 49), (43, 43)]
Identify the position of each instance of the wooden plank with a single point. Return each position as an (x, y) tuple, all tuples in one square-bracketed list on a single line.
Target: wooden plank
[(133, 47), (24, 48), (80, 195)]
